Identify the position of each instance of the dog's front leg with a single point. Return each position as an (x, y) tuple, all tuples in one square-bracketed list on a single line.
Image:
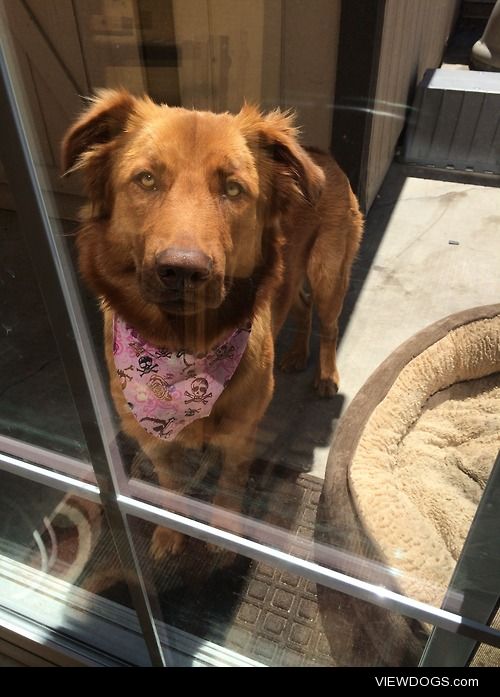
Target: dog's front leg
[(170, 467), (237, 447), (235, 435), (169, 463)]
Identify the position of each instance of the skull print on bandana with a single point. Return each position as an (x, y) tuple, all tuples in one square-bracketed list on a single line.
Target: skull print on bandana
[(167, 390)]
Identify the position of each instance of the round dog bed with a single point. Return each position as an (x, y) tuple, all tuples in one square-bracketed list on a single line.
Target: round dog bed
[(407, 468)]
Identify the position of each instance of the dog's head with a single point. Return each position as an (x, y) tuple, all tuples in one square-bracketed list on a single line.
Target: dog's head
[(181, 200)]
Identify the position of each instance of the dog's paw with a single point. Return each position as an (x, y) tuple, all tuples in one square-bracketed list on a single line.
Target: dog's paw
[(326, 387), (166, 542), (293, 361), (214, 549), (225, 557)]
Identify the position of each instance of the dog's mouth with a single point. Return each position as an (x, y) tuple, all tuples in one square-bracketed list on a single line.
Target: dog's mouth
[(185, 300), (182, 304)]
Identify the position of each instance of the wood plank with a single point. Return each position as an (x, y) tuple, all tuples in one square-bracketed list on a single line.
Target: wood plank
[(222, 50), (413, 39), (57, 23), (53, 107), (110, 43), (310, 41)]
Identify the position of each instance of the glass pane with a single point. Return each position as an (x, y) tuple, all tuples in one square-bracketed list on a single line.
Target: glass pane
[(51, 545), (252, 613), (193, 218), (259, 614), (35, 402)]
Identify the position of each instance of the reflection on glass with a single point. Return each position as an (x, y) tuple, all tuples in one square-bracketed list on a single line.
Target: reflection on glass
[(56, 554), (256, 613), (35, 401), (188, 57), (53, 533)]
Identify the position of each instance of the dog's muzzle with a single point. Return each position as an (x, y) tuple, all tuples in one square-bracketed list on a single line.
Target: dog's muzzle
[(182, 281), (182, 270)]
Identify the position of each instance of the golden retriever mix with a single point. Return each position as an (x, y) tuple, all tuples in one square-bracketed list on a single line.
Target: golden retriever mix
[(201, 231)]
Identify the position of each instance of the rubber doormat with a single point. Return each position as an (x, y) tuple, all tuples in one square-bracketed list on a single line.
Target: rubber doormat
[(278, 621), (252, 608)]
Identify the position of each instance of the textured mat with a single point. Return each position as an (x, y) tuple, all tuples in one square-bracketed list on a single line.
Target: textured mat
[(252, 608), (277, 621)]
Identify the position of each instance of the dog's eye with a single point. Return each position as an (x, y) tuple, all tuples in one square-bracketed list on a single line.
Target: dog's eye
[(146, 180), (232, 188)]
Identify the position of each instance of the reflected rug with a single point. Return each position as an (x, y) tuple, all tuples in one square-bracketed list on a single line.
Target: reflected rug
[(252, 608)]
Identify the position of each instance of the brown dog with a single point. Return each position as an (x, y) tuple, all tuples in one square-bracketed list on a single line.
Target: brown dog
[(201, 230)]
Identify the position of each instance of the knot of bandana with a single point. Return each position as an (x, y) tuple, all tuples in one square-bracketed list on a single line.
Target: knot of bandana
[(167, 390)]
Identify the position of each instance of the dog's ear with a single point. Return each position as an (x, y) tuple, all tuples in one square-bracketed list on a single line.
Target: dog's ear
[(101, 122), (88, 144), (276, 135)]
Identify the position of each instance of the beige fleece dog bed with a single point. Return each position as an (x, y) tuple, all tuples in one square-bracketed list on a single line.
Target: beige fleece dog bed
[(412, 455)]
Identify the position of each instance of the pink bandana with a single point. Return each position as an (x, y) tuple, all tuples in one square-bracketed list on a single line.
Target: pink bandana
[(167, 390)]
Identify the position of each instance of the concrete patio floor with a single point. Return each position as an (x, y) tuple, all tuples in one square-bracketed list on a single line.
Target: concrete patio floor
[(430, 248), (439, 253)]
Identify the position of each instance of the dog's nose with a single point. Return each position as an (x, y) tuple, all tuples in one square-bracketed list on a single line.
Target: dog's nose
[(178, 268)]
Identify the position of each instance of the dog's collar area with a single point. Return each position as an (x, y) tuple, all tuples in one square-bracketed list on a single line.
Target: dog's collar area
[(166, 389)]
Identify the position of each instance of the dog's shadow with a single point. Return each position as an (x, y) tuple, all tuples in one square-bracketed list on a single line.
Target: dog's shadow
[(293, 440), (298, 421), (200, 591)]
